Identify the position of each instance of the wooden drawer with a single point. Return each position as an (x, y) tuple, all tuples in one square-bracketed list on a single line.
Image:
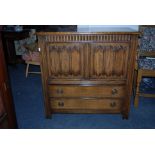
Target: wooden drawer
[(92, 104), (86, 91)]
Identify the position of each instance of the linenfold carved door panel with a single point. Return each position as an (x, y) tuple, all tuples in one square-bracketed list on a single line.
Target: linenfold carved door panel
[(66, 60), (108, 61)]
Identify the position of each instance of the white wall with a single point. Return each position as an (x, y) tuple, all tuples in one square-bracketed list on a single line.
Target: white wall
[(107, 27)]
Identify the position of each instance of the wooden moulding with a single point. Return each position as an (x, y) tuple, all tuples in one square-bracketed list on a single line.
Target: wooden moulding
[(86, 37), (86, 82)]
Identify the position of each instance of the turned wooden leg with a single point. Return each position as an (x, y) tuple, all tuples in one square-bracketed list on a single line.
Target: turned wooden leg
[(136, 100), (27, 69)]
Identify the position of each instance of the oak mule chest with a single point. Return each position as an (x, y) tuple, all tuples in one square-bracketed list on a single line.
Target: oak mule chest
[(87, 72)]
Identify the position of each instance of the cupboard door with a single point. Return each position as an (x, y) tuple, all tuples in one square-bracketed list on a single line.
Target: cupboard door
[(108, 60), (65, 60)]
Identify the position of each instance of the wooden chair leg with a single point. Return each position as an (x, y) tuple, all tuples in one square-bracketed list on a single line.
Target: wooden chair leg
[(136, 100), (135, 82), (27, 69)]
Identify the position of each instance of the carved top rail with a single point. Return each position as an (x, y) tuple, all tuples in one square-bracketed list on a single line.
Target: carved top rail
[(86, 37)]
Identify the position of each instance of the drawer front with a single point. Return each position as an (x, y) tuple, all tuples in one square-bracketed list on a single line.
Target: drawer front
[(92, 104), (86, 91)]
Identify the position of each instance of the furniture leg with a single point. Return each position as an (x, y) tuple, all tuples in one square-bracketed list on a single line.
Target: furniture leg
[(134, 82), (27, 69), (137, 88)]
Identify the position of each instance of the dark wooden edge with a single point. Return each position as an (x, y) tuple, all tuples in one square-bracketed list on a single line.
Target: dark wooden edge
[(9, 106), (90, 111)]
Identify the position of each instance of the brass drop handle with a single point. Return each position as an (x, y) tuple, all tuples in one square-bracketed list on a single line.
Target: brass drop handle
[(59, 91), (61, 104), (114, 91), (113, 104)]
